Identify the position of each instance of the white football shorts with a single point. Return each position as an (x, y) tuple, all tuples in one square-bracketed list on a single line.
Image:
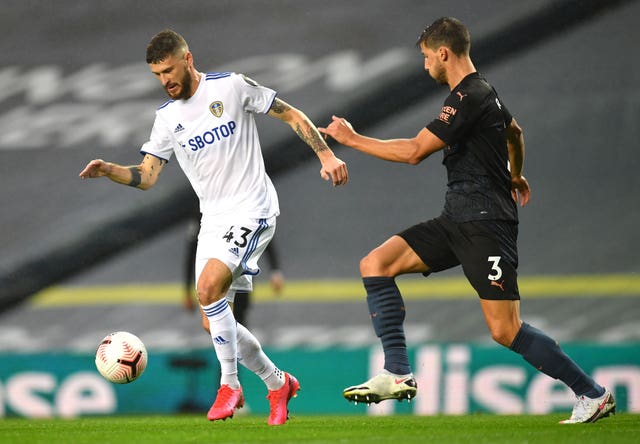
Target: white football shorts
[(236, 243)]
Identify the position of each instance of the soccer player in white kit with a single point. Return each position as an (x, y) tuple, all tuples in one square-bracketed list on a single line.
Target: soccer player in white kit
[(209, 126)]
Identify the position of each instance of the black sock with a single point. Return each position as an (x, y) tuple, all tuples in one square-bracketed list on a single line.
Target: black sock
[(387, 316), (546, 355)]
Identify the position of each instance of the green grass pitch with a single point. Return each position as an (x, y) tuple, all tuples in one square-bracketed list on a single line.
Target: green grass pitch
[(400, 429)]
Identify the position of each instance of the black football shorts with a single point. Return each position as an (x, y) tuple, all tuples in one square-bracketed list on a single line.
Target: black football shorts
[(487, 251)]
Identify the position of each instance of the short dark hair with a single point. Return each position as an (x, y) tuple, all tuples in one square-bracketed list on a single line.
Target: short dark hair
[(449, 32), (164, 44)]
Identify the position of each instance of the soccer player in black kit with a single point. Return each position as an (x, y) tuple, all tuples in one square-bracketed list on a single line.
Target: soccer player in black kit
[(483, 148)]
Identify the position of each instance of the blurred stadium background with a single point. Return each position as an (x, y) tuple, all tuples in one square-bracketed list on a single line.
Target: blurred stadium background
[(82, 259)]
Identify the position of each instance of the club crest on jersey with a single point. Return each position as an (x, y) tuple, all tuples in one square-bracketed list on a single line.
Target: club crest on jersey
[(216, 108)]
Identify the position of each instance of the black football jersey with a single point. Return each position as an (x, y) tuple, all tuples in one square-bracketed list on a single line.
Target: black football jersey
[(472, 123)]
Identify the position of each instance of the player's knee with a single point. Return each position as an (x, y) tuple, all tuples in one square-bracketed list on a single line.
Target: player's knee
[(371, 266), (209, 291), (502, 334), (364, 266)]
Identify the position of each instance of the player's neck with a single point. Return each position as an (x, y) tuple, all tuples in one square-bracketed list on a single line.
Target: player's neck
[(196, 77), (458, 71)]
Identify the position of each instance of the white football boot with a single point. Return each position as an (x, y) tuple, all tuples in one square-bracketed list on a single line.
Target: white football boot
[(591, 409), (381, 387)]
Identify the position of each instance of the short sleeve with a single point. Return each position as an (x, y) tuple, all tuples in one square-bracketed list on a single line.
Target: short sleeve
[(453, 120), (254, 97), (160, 141)]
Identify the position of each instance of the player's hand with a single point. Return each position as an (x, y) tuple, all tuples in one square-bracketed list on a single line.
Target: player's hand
[(520, 190), (339, 129), (336, 170), (188, 302), (277, 282), (95, 168)]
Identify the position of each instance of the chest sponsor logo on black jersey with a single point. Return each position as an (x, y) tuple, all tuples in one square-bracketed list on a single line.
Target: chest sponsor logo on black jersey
[(212, 136), (447, 114)]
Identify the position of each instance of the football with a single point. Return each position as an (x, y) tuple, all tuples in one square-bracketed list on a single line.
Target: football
[(121, 357)]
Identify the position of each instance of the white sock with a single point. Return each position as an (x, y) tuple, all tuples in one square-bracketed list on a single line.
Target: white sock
[(251, 355), (222, 326)]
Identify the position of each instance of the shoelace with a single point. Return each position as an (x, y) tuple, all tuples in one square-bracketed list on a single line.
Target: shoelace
[(580, 409)]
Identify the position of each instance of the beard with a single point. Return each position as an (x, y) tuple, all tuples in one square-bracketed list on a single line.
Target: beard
[(184, 84), (438, 74)]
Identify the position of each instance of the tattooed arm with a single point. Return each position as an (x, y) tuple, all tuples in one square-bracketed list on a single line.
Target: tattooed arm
[(142, 176), (332, 167)]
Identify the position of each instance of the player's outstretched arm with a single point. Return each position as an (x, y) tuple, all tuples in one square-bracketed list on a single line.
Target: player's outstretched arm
[(142, 176), (332, 167), (411, 151)]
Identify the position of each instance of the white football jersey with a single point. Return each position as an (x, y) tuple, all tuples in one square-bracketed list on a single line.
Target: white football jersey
[(215, 140)]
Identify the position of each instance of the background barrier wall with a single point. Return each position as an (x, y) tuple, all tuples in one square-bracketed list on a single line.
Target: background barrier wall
[(452, 379)]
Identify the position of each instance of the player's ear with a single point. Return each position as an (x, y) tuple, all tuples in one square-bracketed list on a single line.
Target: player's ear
[(443, 53)]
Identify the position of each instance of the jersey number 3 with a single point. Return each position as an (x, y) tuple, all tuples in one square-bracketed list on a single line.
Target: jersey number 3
[(229, 236), (495, 268)]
